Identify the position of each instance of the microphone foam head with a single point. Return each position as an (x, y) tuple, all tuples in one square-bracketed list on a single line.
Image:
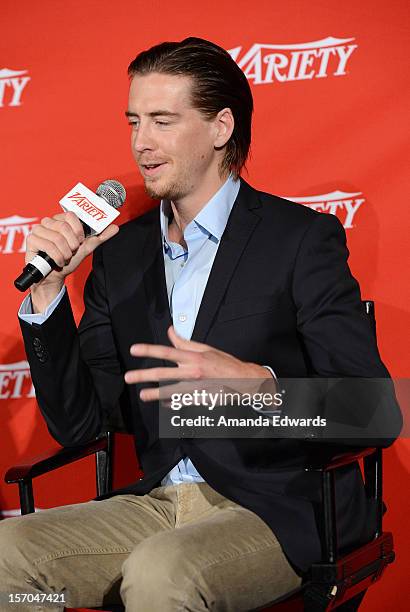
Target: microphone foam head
[(112, 192)]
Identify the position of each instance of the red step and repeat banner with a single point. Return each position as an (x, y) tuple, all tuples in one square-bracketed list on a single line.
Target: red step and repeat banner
[(329, 85)]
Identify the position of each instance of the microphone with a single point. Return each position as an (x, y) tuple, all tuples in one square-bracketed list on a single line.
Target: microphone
[(95, 210)]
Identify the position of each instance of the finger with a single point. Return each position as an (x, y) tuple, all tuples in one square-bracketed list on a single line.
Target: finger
[(164, 393), (74, 222), (45, 231), (94, 241), (182, 387), (108, 233), (158, 374), (182, 343), (61, 226), (36, 243), (162, 352), (199, 395), (149, 395)]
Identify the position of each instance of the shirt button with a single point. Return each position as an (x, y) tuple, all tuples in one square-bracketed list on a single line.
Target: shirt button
[(182, 265), (182, 318)]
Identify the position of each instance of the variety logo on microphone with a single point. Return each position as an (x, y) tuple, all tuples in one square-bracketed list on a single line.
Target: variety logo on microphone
[(12, 84), (92, 209), (269, 63), (89, 207), (15, 381), (13, 233), (342, 204)]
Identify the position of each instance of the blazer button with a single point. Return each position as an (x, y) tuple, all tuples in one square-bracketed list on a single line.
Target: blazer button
[(42, 355)]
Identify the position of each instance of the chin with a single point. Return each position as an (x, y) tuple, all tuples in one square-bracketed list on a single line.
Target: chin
[(156, 191), (164, 192)]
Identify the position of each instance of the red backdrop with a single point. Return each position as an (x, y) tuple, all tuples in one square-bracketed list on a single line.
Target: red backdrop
[(328, 79)]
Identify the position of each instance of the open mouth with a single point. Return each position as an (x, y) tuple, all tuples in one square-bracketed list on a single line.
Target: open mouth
[(151, 169)]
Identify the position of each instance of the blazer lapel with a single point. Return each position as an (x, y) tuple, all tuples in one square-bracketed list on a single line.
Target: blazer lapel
[(155, 284), (240, 227)]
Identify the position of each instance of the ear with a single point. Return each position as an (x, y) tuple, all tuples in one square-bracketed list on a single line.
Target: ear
[(224, 123)]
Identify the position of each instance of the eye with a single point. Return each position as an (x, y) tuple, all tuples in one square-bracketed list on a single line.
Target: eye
[(134, 124), (158, 122)]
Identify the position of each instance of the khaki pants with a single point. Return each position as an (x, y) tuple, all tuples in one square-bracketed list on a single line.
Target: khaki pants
[(182, 547)]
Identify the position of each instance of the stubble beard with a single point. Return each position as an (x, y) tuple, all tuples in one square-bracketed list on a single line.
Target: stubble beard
[(175, 188), (172, 192)]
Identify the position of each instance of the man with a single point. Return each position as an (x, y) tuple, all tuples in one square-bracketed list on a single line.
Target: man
[(219, 282)]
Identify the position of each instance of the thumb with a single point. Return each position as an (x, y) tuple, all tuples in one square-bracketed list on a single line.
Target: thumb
[(176, 340), (182, 343), (108, 233), (94, 241)]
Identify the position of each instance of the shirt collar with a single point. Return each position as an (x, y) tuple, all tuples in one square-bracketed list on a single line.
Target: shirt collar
[(213, 217)]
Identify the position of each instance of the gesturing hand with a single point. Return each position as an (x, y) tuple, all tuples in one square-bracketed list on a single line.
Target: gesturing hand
[(194, 360)]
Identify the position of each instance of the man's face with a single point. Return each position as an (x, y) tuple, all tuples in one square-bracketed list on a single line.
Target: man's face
[(172, 142)]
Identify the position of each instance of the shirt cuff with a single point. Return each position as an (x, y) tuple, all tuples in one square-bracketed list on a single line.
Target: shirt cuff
[(271, 410), (26, 314), (271, 371)]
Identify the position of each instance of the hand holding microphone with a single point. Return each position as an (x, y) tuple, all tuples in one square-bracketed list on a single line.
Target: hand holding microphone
[(58, 245)]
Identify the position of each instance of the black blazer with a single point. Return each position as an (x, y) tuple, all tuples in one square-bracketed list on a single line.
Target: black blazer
[(280, 293)]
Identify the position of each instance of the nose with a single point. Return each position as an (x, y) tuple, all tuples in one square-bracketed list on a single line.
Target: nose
[(142, 139)]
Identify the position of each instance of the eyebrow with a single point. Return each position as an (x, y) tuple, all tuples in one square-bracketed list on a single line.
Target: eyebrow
[(162, 113)]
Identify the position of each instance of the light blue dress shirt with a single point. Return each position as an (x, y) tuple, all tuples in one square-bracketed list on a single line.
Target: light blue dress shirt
[(187, 272)]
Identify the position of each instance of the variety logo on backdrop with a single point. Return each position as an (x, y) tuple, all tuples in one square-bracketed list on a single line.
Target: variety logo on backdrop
[(13, 233), (15, 381), (342, 204), (12, 84), (269, 63)]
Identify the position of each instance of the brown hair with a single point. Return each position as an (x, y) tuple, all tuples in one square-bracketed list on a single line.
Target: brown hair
[(218, 83)]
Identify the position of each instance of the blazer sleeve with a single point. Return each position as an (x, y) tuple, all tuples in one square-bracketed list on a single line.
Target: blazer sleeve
[(76, 373), (339, 342), (335, 329)]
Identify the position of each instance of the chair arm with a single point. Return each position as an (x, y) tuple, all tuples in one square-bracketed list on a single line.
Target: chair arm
[(328, 462), (326, 465), (54, 459)]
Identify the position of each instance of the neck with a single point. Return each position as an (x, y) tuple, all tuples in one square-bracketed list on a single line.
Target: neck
[(187, 208)]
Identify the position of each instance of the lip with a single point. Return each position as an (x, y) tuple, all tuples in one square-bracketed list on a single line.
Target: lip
[(151, 171)]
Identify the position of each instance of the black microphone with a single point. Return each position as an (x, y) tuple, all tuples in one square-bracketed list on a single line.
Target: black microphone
[(42, 264)]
